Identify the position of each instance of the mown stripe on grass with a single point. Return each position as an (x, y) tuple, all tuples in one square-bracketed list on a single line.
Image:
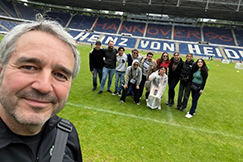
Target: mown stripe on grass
[(154, 120)]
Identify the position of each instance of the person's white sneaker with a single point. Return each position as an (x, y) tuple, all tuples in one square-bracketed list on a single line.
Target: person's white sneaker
[(146, 100), (188, 115), (159, 107), (114, 93)]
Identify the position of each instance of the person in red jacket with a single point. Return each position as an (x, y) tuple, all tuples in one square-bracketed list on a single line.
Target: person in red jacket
[(163, 61)]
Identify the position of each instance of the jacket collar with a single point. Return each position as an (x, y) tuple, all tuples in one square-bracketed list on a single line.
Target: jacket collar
[(7, 136)]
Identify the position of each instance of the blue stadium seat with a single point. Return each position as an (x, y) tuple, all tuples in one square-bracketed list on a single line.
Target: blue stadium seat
[(2, 29), (239, 37), (134, 28), (28, 13), (192, 34), (107, 25), (218, 36), (159, 31), (8, 24), (81, 22), (9, 8), (60, 17)]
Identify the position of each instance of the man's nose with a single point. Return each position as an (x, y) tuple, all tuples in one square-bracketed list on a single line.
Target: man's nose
[(43, 82)]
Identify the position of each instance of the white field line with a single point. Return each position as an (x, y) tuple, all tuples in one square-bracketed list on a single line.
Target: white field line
[(156, 121)]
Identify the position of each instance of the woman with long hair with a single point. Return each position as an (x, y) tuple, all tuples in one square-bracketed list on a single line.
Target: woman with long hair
[(163, 61), (159, 81), (176, 64), (200, 75)]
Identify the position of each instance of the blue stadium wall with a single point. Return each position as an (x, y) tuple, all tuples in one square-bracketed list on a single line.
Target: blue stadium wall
[(146, 44)]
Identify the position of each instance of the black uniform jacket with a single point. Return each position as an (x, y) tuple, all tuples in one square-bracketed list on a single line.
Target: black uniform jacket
[(13, 149)]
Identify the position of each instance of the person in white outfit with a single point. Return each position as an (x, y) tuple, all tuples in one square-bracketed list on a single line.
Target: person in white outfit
[(159, 81)]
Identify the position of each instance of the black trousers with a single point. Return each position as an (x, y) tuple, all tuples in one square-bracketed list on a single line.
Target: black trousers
[(184, 89), (172, 84), (136, 93), (141, 86)]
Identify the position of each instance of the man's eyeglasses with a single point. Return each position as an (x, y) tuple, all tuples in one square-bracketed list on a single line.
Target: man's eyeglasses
[(135, 64), (165, 56)]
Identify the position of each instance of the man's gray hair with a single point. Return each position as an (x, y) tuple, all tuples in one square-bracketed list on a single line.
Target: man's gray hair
[(8, 44)]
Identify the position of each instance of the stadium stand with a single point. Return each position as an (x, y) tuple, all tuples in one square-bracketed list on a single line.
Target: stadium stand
[(2, 29), (28, 13), (8, 7), (134, 28), (192, 34), (8, 24), (107, 25), (61, 18), (159, 31), (218, 35), (82, 22), (239, 37), (2, 13), (144, 35)]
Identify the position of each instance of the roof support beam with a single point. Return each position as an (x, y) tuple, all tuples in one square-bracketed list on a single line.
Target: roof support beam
[(150, 2), (178, 3), (206, 8), (238, 7)]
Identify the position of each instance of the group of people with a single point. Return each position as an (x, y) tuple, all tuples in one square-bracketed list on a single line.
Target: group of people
[(38, 62), (153, 75)]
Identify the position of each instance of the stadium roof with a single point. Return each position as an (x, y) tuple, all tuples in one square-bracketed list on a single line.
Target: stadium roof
[(213, 9)]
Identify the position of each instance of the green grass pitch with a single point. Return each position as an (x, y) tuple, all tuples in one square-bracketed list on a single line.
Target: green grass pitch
[(112, 131)]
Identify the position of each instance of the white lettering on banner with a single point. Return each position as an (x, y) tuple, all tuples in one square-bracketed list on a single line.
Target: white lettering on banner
[(195, 48), (123, 41), (241, 53), (111, 39), (144, 44), (218, 52), (82, 36), (102, 38), (79, 35), (229, 53), (155, 45), (93, 38), (208, 50), (170, 47)]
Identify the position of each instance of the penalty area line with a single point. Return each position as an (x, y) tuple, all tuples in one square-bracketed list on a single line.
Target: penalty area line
[(154, 120)]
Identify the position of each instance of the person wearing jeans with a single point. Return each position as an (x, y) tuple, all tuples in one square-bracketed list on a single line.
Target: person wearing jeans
[(109, 67), (200, 75), (96, 63), (106, 72), (120, 70)]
